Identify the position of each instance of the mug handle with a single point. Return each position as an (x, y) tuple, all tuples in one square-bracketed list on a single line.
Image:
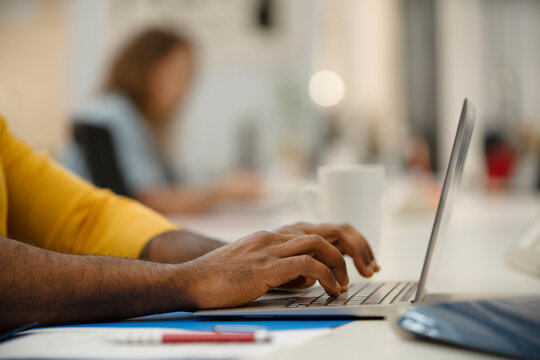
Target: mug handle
[(309, 199)]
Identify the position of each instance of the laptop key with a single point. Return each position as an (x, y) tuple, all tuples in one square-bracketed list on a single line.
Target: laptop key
[(360, 295), (363, 294), (356, 301), (380, 293), (302, 301), (410, 293), (392, 295), (339, 300)]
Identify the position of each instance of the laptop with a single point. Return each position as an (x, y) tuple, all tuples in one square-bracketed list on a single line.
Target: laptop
[(370, 299)]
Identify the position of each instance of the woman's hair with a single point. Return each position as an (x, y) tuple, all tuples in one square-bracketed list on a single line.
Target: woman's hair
[(130, 69)]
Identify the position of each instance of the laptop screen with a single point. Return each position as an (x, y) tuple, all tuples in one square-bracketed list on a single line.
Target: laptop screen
[(452, 181)]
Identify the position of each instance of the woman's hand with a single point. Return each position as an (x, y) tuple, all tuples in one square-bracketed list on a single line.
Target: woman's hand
[(240, 186)]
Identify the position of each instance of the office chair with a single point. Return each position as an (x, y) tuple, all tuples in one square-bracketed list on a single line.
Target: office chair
[(97, 148)]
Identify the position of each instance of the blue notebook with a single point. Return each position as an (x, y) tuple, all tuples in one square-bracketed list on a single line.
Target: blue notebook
[(187, 321), (509, 327)]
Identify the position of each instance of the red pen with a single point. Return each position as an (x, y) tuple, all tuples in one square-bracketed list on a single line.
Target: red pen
[(157, 337)]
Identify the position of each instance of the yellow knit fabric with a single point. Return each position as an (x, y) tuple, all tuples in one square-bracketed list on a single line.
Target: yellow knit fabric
[(44, 205)]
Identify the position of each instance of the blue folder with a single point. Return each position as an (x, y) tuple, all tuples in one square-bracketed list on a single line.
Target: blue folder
[(187, 321), (509, 327)]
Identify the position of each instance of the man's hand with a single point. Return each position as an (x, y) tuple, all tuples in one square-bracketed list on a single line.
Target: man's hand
[(345, 238), (246, 269), (63, 288), (178, 246)]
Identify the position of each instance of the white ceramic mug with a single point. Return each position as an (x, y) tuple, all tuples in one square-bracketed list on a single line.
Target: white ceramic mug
[(349, 194)]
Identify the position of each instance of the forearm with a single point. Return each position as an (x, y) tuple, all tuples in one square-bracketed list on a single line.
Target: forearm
[(178, 246), (178, 201), (53, 288), (174, 200)]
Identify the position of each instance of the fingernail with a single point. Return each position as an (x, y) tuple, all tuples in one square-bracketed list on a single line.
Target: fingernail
[(369, 270), (344, 287)]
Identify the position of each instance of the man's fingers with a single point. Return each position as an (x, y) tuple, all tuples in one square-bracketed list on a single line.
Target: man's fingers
[(348, 239), (300, 282), (374, 264), (321, 250), (291, 268), (282, 238), (357, 247), (364, 252)]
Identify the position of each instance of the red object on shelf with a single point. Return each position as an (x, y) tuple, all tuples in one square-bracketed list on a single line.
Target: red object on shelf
[(500, 163), (501, 160)]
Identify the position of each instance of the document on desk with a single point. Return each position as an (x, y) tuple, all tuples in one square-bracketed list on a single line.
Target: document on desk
[(94, 343)]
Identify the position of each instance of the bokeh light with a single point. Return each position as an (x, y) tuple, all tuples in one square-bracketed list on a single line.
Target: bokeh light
[(326, 88)]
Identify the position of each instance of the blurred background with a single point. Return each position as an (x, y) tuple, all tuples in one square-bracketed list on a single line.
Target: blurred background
[(281, 87)]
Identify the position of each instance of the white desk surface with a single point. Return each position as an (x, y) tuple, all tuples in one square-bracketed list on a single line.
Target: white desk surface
[(482, 229)]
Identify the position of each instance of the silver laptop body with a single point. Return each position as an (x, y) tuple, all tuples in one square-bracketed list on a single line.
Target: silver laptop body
[(370, 299)]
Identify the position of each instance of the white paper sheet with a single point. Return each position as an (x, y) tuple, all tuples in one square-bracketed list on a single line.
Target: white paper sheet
[(93, 343)]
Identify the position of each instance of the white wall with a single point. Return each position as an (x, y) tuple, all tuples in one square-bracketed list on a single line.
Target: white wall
[(477, 39), (33, 80), (459, 62)]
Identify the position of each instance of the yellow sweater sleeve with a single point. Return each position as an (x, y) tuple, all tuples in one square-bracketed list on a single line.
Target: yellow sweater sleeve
[(51, 208)]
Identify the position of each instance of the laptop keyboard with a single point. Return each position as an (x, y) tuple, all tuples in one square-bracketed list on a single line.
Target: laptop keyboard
[(367, 294)]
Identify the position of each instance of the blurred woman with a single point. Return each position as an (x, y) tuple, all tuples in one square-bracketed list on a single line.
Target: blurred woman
[(148, 81)]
